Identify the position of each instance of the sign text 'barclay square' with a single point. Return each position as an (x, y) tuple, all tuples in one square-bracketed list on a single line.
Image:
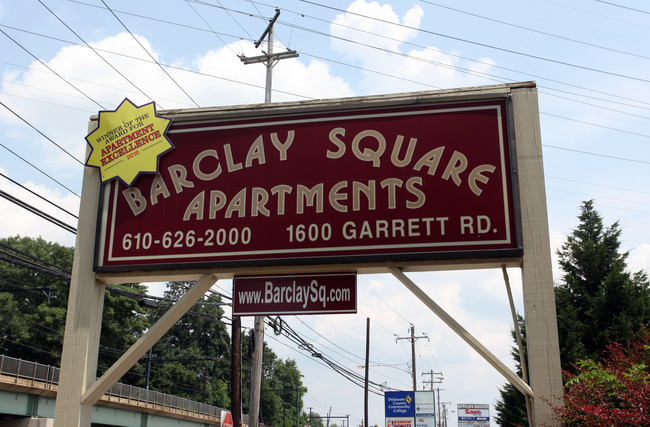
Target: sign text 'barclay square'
[(396, 183)]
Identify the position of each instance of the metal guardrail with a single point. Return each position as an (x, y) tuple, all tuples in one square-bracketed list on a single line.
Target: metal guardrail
[(47, 376), (44, 374)]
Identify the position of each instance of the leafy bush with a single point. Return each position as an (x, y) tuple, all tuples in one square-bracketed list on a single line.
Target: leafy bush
[(615, 391)]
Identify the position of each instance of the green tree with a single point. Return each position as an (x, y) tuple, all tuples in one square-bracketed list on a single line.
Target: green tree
[(193, 359), (35, 280), (313, 419), (277, 374), (598, 301), (123, 322)]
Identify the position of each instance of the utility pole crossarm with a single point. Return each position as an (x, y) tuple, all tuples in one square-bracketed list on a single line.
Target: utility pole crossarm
[(268, 57), (437, 380)]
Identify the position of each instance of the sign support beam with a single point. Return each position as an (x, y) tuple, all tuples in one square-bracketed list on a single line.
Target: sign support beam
[(84, 315), (147, 340), (537, 274), (463, 333)]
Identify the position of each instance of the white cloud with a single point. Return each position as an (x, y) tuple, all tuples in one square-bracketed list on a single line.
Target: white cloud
[(18, 221), (639, 258), (383, 30), (398, 65), (222, 79), (236, 83), (557, 240)]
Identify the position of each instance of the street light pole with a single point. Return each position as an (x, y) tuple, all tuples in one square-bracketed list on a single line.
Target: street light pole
[(365, 393)]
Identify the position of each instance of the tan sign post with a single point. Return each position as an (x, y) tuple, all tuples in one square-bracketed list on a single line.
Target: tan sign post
[(421, 181)]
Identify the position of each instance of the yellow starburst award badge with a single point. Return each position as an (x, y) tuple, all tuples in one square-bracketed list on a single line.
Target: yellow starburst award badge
[(128, 142)]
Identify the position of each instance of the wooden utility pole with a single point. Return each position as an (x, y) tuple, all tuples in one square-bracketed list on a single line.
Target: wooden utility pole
[(235, 373), (269, 58), (413, 338), (256, 372)]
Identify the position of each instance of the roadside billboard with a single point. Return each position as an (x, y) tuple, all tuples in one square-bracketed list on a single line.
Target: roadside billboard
[(473, 415), (425, 409), (399, 408), (410, 409), (386, 183)]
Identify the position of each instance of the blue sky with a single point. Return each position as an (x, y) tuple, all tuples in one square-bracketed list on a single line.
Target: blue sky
[(589, 59)]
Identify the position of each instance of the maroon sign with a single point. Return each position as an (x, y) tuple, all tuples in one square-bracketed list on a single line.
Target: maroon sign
[(310, 294), (379, 184)]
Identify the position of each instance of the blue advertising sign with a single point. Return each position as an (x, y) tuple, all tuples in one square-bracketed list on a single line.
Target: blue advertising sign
[(399, 404)]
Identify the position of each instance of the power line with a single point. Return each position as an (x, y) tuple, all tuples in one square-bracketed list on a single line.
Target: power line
[(97, 53), (520, 27), (68, 77), (51, 353), (39, 196), (597, 185), (623, 7), (480, 74), (643, 135), (38, 260), (378, 35), (226, 10), (620, 130), (50, 68), (37, 264), (150, 55), (40, 101), (210, 27), (384, 301), (541, 58), (596, 154), (498, 78), (30, 262), (32, 165), (360, 361), (150, 18), (280, 327), (600, 15), (357, 359), (38, 212), (341, 331), (226, 79), (41, 133), (601, 106), (600, 197)]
